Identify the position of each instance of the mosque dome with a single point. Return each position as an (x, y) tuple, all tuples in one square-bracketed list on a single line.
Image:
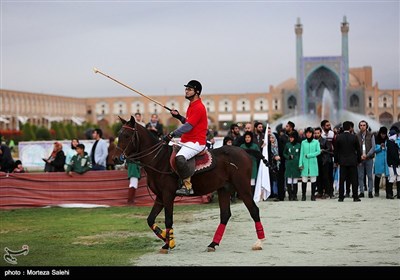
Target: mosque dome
[(288, 84)]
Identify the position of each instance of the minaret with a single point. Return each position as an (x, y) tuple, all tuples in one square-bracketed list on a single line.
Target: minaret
[(344, 28), (299, 49)]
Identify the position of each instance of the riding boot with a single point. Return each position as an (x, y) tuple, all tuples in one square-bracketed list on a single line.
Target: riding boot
[(389, 190), (131, 196), (295, 188), (313, 188), (398, 189), (377, 181), (184, 173), (290, 190), (303, 191), (186, 188)]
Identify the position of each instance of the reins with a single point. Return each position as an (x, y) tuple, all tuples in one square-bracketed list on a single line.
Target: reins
[(137, 155)]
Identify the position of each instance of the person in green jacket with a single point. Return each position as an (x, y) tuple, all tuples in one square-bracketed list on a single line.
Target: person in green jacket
[(308, 162), (134, 176), (80, 163), (249, 144), (292, 172)]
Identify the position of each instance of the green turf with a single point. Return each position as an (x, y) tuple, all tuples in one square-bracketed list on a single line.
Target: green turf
[(114, 236)]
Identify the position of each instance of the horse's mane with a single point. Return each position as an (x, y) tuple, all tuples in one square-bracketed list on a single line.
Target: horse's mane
[(134, 124)]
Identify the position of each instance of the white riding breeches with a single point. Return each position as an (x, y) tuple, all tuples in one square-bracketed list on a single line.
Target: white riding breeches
[(190, 149), (133, 182)]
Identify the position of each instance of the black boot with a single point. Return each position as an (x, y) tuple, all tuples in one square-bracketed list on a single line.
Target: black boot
[(313, 188), (303, 191), (376, 184), (389, 190), (131, 196), (290, 190), (295, 188), (398, 189)]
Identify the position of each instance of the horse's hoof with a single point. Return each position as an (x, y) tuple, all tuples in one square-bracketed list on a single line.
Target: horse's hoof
[(256, 248), (210, 249), (163, 251), (258, 244)]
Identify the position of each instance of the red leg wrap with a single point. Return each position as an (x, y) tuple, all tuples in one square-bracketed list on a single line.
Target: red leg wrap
[(219, 233), (260, 230)]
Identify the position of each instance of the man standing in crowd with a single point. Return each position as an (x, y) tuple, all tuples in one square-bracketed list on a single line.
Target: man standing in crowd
[(259, 135), (329, 135), (154, 126), (99, 151), (234, 133), (347, 156), (367, 145)]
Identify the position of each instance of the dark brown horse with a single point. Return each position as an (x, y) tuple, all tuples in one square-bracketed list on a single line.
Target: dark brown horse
[(231, 173)]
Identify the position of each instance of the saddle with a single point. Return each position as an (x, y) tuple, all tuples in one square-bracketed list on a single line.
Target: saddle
[(202, 162)]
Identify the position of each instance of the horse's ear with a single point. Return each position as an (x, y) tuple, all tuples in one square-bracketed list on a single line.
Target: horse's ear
[(132, 120), (122, 120)]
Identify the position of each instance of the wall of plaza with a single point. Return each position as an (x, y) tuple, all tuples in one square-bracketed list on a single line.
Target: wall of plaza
[(17, 107)]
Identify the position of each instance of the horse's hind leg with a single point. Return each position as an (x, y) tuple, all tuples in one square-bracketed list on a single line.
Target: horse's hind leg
[(247, 199), (157, 207), (225, 214), (169, 231)]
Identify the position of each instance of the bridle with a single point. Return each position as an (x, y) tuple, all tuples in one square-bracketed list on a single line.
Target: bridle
[(137, 155)]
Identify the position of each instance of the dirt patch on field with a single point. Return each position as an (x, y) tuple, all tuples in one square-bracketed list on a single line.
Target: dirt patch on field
[(321, 233)]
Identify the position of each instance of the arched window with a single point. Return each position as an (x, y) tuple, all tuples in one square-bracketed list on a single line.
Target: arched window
[(210, 105), (137, 107), (261, 104), (385, 101), (276, 104), (119, 108), (243, 105), (370, 103), (292, 102), (102, 108), (225, 106), (354, 101), (173, 104), (153, 108), (386, 119)]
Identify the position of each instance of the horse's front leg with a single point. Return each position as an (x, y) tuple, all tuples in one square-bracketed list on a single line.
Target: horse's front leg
[(157, 207), (169, 238), (225, 214)]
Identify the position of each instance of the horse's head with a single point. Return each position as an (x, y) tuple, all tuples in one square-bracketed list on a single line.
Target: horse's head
[(127, 140)]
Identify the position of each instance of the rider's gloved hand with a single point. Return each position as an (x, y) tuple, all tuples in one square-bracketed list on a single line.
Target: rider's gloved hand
[(176, 115), (265, 161), (168, 137)]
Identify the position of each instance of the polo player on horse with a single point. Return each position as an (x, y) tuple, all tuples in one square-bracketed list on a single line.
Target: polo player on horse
[(193, 134)]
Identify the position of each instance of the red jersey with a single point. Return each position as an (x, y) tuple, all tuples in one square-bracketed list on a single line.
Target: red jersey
[(196, 115)]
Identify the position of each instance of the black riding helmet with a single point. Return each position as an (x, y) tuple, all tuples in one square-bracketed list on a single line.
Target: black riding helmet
[(195, 85)]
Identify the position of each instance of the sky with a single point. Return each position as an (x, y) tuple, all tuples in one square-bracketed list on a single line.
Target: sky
[(156, 47)]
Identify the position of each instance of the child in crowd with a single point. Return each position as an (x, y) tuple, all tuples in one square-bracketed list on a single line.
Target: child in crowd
[(80, 163), (18, 167)]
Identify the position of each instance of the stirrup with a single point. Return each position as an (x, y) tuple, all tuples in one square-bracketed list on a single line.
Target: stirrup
[(184, 191)]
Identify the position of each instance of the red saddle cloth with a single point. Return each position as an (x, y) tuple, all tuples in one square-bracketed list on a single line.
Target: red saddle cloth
[(203, 161)]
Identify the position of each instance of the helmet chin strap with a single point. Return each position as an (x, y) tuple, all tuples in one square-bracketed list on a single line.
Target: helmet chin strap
[(190, 97)]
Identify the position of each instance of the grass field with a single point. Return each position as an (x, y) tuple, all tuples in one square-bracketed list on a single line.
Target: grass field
[(113, 236)]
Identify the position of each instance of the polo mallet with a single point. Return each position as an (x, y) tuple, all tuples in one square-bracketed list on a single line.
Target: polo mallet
[(132, 89)]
